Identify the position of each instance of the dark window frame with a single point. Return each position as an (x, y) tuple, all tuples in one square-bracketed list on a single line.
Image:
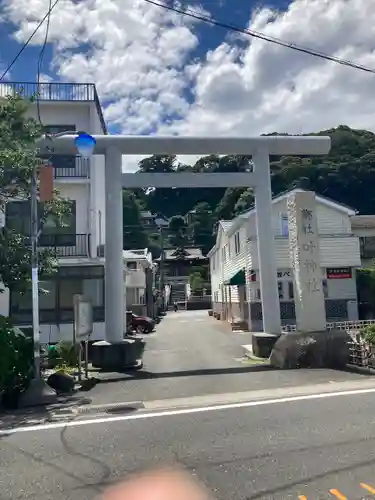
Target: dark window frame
[(19, 212), (58, 129), (59, 315)]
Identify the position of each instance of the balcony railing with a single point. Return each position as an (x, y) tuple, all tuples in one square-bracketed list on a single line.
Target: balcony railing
[(66, 245), (56, 92), (68, 166), (367, 247)]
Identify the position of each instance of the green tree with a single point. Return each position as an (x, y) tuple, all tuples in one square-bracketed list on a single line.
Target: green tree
[(201, 227), (18, 158), (134, 235), (196, 282), (178, 236), (245, 201), (346, 175)]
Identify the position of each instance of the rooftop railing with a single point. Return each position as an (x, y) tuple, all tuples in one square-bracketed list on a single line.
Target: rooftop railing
[(56, 91)]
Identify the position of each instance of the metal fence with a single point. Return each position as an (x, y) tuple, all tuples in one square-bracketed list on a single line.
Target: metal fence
[(55, 91), (66, 245), (66, 167)]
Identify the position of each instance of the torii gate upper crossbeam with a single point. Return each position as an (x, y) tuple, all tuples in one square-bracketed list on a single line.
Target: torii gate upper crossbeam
[(165, 145)]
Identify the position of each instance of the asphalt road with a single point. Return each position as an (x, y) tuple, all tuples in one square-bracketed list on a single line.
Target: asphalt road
[(192, 354), (296, 449)]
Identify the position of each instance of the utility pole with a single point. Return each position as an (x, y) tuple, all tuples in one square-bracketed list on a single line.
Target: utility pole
[(34, 272), (161, 268), (38, 392)]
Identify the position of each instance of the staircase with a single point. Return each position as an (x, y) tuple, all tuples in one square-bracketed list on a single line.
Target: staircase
[(178, 293)]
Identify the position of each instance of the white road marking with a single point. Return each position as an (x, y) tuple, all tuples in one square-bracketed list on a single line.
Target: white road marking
[(184, 411)]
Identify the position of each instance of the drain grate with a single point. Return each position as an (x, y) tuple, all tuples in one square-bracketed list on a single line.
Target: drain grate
[(116, 408)]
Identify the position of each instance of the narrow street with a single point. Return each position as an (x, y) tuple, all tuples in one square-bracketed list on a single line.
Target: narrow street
[(191, 354)]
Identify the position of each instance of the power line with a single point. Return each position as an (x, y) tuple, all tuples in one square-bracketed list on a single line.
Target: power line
[(40, 61), (256, 34), (29, 40)]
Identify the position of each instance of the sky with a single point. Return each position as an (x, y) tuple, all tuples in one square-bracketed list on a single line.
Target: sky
[(158, 72)]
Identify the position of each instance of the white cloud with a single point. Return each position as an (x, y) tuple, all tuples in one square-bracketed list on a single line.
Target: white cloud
[(140, 58)]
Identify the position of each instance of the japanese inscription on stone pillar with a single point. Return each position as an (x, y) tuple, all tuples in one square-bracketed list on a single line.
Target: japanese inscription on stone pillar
[(304, 252)]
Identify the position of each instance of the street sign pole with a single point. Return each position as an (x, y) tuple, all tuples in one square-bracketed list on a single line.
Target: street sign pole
[(82, 329)]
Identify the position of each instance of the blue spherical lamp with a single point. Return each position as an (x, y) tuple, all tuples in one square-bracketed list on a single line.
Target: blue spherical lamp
[(85, 144)]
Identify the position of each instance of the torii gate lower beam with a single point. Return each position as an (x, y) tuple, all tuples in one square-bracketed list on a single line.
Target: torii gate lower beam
[(113, 147)]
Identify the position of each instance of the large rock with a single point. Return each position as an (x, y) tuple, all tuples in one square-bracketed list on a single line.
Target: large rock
[(61, 382), (324, 349)]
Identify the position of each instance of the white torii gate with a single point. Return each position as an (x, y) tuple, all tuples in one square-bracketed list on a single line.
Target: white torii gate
[(114, 146)]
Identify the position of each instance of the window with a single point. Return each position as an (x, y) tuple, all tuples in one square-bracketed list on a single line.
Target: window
[(58, 129), (132, 296), (284, 226), (131, 264), (224, 251), (291, 290), (280, 290), (57, 234), (56, 304), (237, 245), (61, 161), (18, 218), (325, 289)]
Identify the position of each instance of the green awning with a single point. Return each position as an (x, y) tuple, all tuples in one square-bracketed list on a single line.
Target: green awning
[(237, 279)]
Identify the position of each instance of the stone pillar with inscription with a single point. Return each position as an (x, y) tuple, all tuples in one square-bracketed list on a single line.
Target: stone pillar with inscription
[(304, 252)]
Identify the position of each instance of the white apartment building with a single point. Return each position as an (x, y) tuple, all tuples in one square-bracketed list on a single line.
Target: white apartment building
[(234, 265), (79, 245)]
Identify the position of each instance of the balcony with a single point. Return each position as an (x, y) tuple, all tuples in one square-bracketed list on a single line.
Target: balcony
[(66, 245), (63, 92), (367, 247), (68, 167)]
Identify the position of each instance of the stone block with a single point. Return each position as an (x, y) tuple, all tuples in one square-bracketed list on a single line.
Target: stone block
[(263, 344), (119, 356), (322, 349), (305, 258)]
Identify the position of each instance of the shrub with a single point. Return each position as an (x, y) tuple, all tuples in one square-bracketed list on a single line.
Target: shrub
[(68, 353), (16, 359), (368, 334)]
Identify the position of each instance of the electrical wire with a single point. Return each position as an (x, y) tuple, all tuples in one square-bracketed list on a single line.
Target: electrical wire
[(9, 67), (40, 61), (256, 34)]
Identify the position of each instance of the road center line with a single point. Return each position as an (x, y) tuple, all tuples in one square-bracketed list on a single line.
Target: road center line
[(184, 411)]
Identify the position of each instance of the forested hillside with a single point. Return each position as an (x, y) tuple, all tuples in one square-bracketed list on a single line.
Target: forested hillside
[(346, 174)]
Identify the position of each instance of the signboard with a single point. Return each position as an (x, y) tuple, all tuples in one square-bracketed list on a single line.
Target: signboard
[(285, 274), (83, 318), (339, 273)]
